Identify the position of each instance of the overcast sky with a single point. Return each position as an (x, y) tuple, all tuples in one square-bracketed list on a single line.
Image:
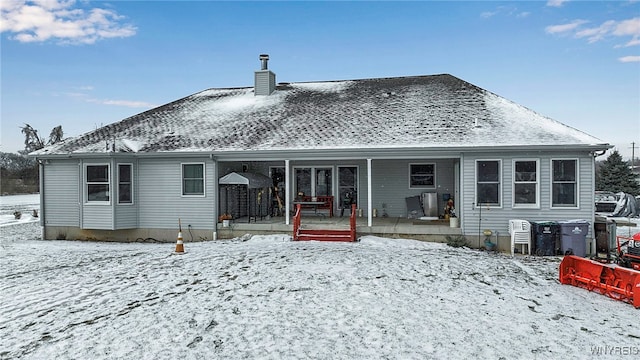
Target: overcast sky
[(84, 64)]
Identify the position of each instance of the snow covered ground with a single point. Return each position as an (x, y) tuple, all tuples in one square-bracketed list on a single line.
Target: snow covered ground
[(269, 298), (25, 204)]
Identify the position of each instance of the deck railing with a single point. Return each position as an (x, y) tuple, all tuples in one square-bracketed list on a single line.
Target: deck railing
[(296, 221)]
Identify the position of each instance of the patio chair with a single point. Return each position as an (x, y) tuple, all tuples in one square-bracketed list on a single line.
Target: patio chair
[(520, 231)]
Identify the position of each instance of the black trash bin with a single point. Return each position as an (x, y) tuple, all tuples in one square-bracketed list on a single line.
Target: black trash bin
[(546, 235), (574, 237)]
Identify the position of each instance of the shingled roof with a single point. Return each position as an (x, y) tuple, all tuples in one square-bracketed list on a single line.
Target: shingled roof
[(436, 111)]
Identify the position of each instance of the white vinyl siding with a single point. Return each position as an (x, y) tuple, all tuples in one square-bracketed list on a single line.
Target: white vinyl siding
[(159, 198), (61, 193), (496, 218)]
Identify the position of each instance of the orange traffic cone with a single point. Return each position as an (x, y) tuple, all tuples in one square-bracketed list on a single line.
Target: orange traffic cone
[(179, 243)]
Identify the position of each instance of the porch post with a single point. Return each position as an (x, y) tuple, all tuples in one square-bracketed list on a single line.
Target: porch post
[(369, 195), (287, 191), (216, 194)]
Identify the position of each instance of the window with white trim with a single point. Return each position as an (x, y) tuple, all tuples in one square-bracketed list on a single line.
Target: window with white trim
[(193, 179), (525, 183), (97, 182), (564, 182), (422, 175), (488, 182), (125, 176)]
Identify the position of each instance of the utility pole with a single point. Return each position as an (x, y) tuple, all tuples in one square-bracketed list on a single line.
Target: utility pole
[(633, 157)]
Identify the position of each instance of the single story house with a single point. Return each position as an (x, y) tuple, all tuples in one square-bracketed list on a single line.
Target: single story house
[(382, 142)]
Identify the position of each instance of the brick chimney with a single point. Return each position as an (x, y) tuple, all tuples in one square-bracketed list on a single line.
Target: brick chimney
[(265, 79)]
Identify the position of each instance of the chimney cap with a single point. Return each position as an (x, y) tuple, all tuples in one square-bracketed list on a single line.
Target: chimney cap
[(264, 56)]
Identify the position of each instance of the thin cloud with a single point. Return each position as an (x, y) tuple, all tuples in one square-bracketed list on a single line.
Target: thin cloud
[(60, 20), (609, 28), (488, 14), (82, 95), (556, 3), (628, 27), (633, 42), (627, 59), (597, 33), (125, 103), (564, 28), (505, 11)]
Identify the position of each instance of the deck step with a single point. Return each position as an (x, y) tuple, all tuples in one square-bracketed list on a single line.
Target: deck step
[(325, 235)]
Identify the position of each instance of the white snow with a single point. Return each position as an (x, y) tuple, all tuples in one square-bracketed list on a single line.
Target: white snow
[(269, 297), (244, 102), (325, 86), (25, 204), (133, 145), (521, 121)]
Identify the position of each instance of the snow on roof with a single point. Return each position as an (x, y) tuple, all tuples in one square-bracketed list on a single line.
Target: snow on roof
[(405, 112)]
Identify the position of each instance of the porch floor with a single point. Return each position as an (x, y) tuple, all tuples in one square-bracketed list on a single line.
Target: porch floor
[(434, 230)]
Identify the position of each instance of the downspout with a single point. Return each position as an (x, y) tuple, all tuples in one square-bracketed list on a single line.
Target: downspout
[(287, 190), (460, 201), (592, 248), (81, 193), (113, 184), (216, 194), (369, 195), (42, 207)]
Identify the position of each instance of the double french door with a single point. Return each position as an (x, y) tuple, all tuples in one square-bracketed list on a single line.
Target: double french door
[(319, 181), (313, 181)]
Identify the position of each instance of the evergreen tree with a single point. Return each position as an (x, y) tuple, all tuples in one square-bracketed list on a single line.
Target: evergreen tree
[(615, 175)]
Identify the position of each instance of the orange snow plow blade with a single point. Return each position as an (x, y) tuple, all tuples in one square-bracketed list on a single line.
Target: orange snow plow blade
[(614, 281)]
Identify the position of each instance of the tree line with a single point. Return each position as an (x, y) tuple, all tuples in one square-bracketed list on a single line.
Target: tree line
[(19, 174)]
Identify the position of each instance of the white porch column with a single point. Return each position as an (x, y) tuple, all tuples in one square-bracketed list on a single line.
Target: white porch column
[(216, 194), (369, 195), (287, 191)]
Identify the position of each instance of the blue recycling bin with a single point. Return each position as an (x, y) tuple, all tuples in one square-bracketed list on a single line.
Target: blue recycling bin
[(574, 237)]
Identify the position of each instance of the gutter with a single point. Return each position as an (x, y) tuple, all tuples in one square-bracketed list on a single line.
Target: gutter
[(334, 153)]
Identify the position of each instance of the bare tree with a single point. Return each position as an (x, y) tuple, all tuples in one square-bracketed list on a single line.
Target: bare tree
[(33, 141)]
